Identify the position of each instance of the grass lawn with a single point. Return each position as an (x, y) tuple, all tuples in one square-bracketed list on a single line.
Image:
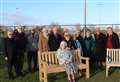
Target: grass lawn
[(98, 75)]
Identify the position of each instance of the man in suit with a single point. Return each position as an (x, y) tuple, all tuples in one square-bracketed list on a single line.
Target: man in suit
[(32, 49), (20, 47), (10, 56)]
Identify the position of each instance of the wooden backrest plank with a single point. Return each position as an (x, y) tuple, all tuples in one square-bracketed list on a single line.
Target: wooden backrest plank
[(51, 58), (52, 54), (113, 55), (119, 55), (56, 60)]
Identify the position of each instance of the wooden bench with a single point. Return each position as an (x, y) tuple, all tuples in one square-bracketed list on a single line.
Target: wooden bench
[(48, 63), (112, 59)]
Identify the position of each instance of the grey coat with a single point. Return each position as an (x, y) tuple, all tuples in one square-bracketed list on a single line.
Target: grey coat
[(32, 41)]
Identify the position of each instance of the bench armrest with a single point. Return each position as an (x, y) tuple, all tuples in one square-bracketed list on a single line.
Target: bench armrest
[(85, 58)]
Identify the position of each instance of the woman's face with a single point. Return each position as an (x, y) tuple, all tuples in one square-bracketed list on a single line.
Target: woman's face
[(67, 38), (87, 34), (77, 34)]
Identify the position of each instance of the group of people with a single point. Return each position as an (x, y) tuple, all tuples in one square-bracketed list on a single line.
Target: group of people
[(93, 45), (17, 43)]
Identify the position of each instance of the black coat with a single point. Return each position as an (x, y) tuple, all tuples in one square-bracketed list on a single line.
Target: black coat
[(9, 48), (115, 40), (89, 45), (20, 41), (54, 41), (100, 47)]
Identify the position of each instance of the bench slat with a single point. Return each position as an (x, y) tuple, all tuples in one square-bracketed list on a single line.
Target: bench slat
[(112, 59)]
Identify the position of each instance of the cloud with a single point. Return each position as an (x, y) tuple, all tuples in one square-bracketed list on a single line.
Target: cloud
[(15, 18)]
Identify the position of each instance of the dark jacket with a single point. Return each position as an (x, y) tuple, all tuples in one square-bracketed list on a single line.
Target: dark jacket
[(70, 43), (20, 41), (9, 48), (89, 44), (100, 47), (54, 41), (115, 40)]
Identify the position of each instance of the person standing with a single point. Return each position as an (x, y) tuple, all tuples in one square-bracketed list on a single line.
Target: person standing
[(20, 47), (54, 40), (100, 47), (43, 40), (79, 38), (32, 49), (10, 56), (112, 39), (89, 44), (77, 44)]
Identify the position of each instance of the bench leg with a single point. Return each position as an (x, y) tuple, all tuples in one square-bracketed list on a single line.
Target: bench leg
[(87, 70), (43, 72), (45, 77), (80, 70), (87, 73), (41, 77), (107, 70)]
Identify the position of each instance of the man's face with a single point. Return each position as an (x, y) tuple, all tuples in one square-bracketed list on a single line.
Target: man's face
[(32, 31), (97, 30), (87, 34), (9, 34), (109, 31), (19, 30), (55, 30)]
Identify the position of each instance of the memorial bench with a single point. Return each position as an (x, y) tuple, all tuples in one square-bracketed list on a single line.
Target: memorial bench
[(48, 63)]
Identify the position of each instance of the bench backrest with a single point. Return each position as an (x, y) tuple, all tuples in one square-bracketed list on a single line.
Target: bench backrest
[(51, 58), (113, 56)]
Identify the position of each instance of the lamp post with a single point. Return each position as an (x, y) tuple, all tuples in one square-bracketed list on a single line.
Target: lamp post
[(85, 18)]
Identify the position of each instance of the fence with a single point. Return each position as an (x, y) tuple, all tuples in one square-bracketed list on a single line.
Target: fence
[(70, 26)]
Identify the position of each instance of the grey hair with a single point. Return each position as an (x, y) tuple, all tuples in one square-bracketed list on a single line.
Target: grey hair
[(63, 43)]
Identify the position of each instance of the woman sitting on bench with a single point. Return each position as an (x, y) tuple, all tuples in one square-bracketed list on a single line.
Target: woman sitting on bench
[(65, 58)]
